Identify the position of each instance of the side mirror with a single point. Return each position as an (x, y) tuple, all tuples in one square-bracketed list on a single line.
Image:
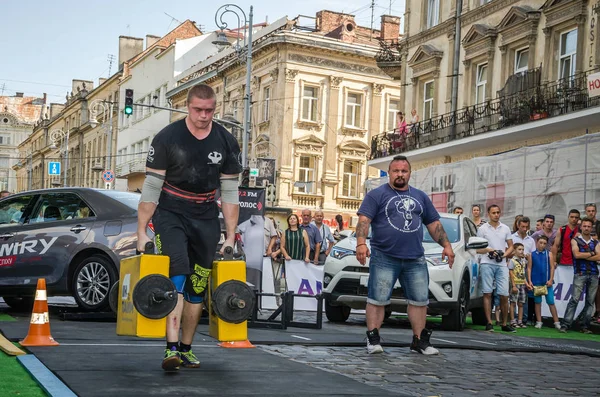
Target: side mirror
[(476, 243)]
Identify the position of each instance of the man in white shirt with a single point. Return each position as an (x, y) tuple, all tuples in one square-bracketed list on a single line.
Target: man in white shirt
[(328, 240), (493, 265)]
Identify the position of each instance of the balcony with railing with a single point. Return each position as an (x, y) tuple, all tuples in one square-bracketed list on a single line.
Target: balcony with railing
[(134, 166), (520, 102)]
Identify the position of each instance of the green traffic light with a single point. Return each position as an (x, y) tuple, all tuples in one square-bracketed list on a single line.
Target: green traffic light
[(128, 110)]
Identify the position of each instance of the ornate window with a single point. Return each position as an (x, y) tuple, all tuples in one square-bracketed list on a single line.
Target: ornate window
[(425, 65), (393, 109), (350, 179), (428, 97), (266, 103), (306, 175), (568, 54), (481, 83), (310, 103), (521, 60), (354, 109), (433, 13)]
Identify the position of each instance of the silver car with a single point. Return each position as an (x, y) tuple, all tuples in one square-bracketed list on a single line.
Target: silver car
[(75, 238)]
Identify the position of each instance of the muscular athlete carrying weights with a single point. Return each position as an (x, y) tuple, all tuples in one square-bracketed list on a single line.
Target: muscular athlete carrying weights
[(187, 162)]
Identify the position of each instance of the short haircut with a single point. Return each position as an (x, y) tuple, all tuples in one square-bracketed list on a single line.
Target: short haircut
[(400, 158), (517, 245), (541, 220), (549, 216), (586, 206), (492, 206), (524, 219), (586, 219), (543, 237), (574, 211), (201, 91), (457, 208), (476, 205)]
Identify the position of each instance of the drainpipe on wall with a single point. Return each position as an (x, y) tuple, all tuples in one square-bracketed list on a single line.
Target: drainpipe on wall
[(455, 65)]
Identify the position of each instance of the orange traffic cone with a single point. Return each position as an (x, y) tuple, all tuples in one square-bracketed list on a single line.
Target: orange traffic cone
[(39, 326)]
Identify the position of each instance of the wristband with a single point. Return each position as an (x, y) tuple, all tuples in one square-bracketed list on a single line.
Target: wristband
[(360, 245)]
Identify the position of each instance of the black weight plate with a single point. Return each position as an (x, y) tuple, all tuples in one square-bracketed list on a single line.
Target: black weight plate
[(113, 297), (221, 302), (149, 296)]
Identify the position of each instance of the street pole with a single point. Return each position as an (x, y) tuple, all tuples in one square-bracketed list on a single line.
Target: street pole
[(30, 171), (246, 136), (66, 159), (109, 143)]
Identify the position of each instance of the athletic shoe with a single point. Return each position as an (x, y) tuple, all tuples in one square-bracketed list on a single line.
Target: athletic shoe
[(563, 329), (489, 327), (374, 342), (557, 325), (586, 331), (508, 328), (172, 360), (189, 360), (423, 345), (538, 324), (521, 325)]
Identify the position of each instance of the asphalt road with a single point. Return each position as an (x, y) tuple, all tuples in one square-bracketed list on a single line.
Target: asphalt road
[(330, 361)]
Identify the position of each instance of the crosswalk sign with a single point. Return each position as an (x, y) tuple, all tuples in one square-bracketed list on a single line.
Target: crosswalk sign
[(54, 168)]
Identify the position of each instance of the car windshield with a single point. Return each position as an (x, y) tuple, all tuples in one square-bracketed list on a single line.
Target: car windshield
[(129, 199), (452, 228)]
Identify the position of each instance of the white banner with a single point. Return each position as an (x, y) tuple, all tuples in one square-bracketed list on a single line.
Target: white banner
[(563, 290), (268, 302), (304, 279), (593, 82)]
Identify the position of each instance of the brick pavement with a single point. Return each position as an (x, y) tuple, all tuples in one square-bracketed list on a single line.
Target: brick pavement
[(455, 372)]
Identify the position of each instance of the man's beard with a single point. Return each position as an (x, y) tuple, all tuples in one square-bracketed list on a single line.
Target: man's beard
[(400, 183)]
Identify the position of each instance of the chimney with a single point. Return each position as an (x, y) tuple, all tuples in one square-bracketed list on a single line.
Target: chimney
[(45, 98), (129, 47), (19, 94), (390, 27), (55, 109), (151, 39), (328, 21)]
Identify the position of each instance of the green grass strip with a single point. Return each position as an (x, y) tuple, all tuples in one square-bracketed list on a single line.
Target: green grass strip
[(6, 317), (15, 381)]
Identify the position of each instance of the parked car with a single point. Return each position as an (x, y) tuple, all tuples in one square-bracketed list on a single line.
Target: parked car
[(452, 292), (74, 237)]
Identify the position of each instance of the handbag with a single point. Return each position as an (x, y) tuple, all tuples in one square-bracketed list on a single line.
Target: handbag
[(540, 290)]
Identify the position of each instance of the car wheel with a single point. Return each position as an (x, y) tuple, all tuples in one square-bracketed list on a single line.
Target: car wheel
[(456, 319), (478, 316), (20, 303), (336, 314), (92, 281)]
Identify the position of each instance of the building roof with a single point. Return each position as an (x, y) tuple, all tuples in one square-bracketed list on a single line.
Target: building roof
[(27, 109)]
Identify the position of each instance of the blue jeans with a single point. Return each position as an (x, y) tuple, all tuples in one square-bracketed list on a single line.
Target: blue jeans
[(581, 280), (384, 270), (491, 273)]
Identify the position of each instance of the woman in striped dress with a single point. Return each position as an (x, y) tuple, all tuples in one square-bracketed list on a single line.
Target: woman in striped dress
[(294, 242)]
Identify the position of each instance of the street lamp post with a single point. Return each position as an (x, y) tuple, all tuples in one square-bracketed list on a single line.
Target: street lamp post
[(236, 10), (55, 136), (96, 108)]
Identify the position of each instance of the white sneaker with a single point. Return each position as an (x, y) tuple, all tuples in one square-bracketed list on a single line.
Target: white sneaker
[(538, 324), (423, 345), (557, 325), (374, 342)]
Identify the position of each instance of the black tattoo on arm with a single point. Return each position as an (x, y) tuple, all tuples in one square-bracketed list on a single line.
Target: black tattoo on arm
[(362, 229), (438, 233)]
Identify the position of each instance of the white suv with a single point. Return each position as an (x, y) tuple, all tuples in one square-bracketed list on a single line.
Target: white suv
[(452, 292)]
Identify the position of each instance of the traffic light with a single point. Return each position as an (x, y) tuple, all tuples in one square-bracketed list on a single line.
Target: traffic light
[(128, 102), (245, 178)]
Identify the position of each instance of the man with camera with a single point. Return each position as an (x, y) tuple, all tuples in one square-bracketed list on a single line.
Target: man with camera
[(493, 265)]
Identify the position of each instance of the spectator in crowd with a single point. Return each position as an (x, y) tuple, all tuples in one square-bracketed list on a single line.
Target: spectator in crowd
[(538, 225), (294, 242), (586, 253), (339, 220), (314, 237), (518, 296), (590, 212), (4, 193), (476, 215), (270, 235), (547, 230), (529, 246), (326, 236), (398, 138), (457, 210), (414, 119), (515, 226), (562, 243), (541, 273), (493, 265)]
